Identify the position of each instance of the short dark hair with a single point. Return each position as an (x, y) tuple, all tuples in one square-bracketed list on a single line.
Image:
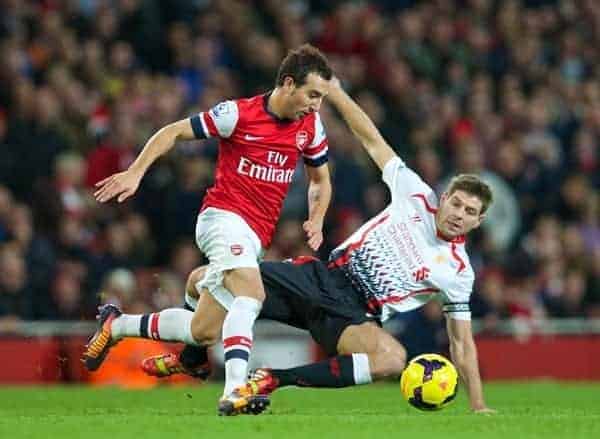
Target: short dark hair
[(473, 185), (301, 61)]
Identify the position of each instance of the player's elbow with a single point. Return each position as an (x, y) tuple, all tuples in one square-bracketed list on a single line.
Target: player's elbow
[(180, 130), (380, 152), (319, 181)]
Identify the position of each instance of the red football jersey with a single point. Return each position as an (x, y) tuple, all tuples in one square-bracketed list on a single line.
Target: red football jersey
[(258, 153)]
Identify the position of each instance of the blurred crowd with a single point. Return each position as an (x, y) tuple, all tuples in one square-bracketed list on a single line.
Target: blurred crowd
[(507, 89)]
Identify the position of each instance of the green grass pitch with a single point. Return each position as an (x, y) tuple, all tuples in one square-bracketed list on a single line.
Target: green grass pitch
[(526, 410)]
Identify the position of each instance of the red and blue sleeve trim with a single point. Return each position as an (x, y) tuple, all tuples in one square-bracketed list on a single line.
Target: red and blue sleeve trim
[(197, 127), (315, 163)]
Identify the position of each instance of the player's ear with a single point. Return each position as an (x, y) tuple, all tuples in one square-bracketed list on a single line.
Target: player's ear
[(289, 84), (479, 221)]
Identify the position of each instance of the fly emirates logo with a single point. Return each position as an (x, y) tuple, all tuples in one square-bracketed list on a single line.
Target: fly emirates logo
[(272, 172)]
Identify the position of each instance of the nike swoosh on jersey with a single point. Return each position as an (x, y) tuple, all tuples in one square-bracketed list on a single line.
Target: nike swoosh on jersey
[(249, 137)]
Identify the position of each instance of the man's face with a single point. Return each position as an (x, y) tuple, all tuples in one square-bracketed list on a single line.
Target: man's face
[(306, 99), (458, 214)]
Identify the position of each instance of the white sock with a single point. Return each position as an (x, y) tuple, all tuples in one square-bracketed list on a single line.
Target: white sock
[(362, 371), (237, 340), (173, 324), (126, 325)]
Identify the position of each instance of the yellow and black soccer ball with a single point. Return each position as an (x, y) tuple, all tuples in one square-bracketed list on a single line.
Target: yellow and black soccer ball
[(429, 382)]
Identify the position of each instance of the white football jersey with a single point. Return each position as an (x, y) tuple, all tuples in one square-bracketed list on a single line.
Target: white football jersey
[(399, 261)]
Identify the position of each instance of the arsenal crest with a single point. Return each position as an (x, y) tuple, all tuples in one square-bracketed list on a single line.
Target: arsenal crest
[(301, 139)]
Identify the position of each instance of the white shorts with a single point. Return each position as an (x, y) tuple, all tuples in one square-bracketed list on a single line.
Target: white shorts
[(228, 242)]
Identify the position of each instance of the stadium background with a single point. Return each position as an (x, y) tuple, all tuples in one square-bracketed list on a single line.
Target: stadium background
[(508, 89)]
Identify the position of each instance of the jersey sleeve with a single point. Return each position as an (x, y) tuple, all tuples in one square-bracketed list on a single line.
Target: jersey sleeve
[(219, 121), (404, 182), (455, 300), (316, 153)]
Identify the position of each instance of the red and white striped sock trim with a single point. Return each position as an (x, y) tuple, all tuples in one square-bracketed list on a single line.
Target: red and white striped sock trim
[(153, 326), (237, 346), (237, 340)]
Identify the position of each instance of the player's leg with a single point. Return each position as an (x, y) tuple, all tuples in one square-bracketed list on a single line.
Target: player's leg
[(206, 330), (193, 359), (365, 353), (279, 305), (387, 356), (233, 279), (246, 286), (289, 292), (361, 351), (173, 324), (304, 294)]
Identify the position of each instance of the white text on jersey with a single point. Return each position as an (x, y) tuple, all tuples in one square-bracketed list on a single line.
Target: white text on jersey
[(277, 158), (264, 173)]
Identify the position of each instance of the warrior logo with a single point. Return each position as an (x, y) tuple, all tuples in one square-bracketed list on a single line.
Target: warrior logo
[(421, 274)]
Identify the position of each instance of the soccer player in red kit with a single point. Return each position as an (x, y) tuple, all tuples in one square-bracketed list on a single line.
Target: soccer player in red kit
[(261, 140), (410, 253)]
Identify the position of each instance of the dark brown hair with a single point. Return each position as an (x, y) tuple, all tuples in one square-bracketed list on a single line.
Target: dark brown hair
[(300, 62), (473, 185)]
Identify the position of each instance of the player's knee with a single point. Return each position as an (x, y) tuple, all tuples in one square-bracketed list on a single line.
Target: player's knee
[(195, 276), (388, 363), (397, 361)]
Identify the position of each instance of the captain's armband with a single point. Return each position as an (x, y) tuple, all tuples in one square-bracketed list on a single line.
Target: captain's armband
[(456, 307)]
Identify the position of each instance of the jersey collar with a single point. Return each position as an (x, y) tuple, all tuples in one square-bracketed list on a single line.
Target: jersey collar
[(460, 239), (278, 119)]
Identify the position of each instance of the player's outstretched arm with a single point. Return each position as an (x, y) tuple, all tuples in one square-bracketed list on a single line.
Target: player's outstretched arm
[(361, 125), (464, 356), (124, 184), (319, 196)]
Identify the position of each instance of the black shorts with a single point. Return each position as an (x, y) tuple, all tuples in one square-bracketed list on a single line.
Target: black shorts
[(310, 296)]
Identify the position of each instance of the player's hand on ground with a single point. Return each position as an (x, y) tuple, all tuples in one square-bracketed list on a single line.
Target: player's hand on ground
[(314, 234), (485, 411), (121, 185)]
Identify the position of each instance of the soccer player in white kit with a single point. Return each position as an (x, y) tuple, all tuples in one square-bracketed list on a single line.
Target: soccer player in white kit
[(261, 140), (411, 252)]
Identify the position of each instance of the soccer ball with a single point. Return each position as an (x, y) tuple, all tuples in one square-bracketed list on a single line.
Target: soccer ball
[(429, 382)]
